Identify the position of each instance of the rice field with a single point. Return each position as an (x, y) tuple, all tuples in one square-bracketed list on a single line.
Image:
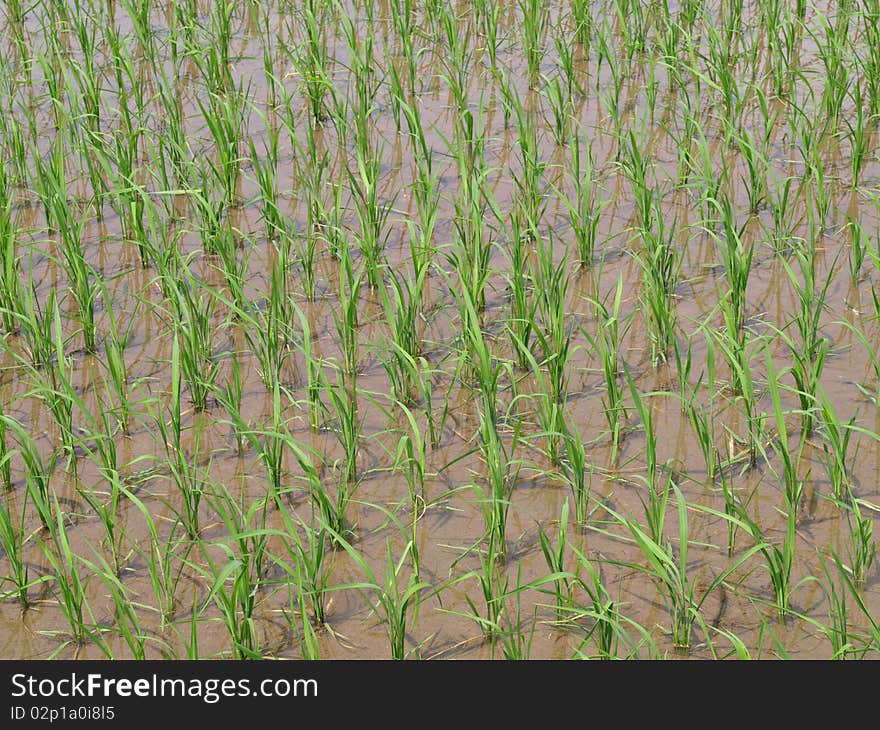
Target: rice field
[(439, 330)]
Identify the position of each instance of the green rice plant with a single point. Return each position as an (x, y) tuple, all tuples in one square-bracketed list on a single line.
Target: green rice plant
[(554, 556), (126, 622), (115, 344), (310, 562), (535, 18), (164, 564), (810, 349), (82, 278), (669, 568), (184, 469), (839, 463), (739, 352), (574, 468), (838, 630), (397, 595), (794, 485), (70, 585), (607, 627), (861, 546), (607, 342), (655, 507), (549, 411), (586, 201), (343, 404), (234, 593), (561, 106), (858, 137), (531, 200), (858, 249), (5, 455), (755, 154), (13, 538), (502, 471), (457, 57), (10, 270), (402, 302), (555, 335), (472, 250), (521, 319), (37, 471), (193, 331), (411, 458), (371, 210), (311, 60), (778, 559), (106, 505), (736, 257), (346, 318)]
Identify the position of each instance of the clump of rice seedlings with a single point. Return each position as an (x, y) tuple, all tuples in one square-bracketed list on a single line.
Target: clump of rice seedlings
[(810, 349), (346, 319), (82, 278), (310, 563), (13, 538), (585, 203), (37, 470), (472, 247), (669, 569), (398, 594), (347, 427), (165, 558), (106, 507), (739, 351), (234, 593), (531, 201), (502, 470), (411, 458), (606, 629), (458, 55), (535, 18), (575, 466), (836, 447), (607, 342), (193, 332), (70, 585), (311, 59), (521, 317), (660, 265), (655, 506), (185, 470), (5, 455), (736, 257), (115, 344), (555, 335), (555, 557), (224, 115), (861, 546), (10, 270), (371, 209), (403, 313)]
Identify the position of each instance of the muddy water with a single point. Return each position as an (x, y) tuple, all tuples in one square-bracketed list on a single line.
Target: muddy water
[(449, 514)]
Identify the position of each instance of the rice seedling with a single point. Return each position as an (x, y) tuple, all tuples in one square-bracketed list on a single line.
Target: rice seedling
[(10, 272), (13, 538), (586, 201), (607, 342), (397, 595), (668, 568), (70, 585), (310, 563)]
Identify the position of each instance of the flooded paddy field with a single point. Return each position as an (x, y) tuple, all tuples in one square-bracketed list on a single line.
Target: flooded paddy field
[(438, 330)]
